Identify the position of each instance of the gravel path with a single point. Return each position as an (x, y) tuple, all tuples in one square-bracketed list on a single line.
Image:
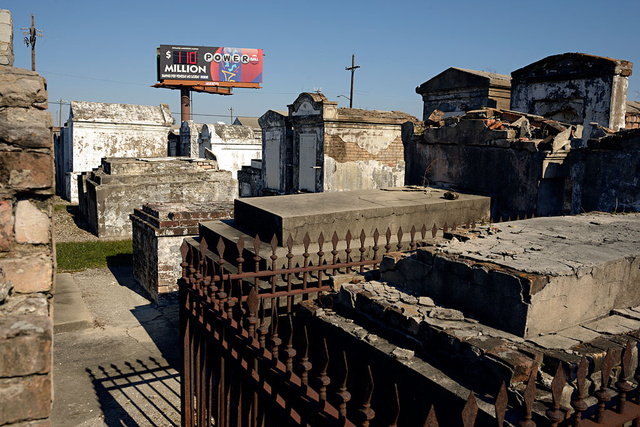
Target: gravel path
[(69, 225)]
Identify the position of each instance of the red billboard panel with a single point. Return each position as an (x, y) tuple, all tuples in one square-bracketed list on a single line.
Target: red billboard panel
[(210, 64)]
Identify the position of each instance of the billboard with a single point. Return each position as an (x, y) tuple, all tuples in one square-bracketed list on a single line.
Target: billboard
[(224, 65)]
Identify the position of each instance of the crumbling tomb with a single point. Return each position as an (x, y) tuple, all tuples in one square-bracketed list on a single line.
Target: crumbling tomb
[(109, 194), (553, 151), (158, 230)]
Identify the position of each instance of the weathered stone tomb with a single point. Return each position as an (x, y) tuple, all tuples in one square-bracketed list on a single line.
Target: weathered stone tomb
[(97, 129), (318, 147), (109, 194), (158, 231)]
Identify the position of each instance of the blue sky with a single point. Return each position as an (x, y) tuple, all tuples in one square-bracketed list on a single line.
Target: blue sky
[(106, 51)]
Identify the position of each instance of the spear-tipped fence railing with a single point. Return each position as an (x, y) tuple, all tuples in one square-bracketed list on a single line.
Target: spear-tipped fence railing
[(244, 363)]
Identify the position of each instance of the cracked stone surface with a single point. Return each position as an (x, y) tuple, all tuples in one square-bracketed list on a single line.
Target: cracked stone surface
[(555, 245), (531, 277)]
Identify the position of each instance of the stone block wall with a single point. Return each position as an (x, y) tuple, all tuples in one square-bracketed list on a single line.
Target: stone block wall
[(27, 257)]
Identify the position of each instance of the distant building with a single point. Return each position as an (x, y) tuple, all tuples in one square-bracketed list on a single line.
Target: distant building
[(457, 90), (96, 130), (252, 122)]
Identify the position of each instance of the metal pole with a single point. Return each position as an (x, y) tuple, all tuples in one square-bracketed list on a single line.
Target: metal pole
[(185, 113)]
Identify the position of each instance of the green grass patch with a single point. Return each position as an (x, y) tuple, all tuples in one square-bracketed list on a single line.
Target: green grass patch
[(60, 208), (77, 256)]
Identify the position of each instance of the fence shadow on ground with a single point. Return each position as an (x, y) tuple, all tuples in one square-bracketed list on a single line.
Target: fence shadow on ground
[(143, 392)]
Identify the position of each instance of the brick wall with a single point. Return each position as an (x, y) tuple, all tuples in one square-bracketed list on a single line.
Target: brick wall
[(27, 257), (343, 151)]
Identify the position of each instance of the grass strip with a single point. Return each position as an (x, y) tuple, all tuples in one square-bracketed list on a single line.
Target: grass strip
[(78, 256)]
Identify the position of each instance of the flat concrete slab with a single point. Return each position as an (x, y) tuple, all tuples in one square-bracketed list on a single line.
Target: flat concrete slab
[(534, 276), (123, 369), (69, 311), (366, 210)]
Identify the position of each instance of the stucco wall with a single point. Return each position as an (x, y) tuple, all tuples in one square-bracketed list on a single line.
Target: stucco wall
[(233, 145), (589, 98), (362, 156)]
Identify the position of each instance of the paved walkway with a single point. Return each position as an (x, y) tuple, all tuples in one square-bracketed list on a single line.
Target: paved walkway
[(115, 354)]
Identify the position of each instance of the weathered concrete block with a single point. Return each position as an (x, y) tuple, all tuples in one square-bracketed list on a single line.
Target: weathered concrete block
[(120, 185), (31, 224), (25, 345), (158, 232), (354, 211)]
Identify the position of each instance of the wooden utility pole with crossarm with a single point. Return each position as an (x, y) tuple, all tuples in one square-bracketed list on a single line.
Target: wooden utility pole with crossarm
[(353, 70), (31, 40)]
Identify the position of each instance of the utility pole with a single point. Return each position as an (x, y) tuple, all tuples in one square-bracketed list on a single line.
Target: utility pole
[(31, 40), (353, 70), (60, 103), (231, 109)]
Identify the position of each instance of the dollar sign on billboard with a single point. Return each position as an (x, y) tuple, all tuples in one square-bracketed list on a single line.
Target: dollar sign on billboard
[(168, 54)]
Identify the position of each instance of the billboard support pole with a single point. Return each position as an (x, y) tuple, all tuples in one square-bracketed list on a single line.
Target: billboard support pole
[(185, 113)]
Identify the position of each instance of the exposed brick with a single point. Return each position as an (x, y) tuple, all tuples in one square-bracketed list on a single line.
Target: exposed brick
[(6, 225), (25, 345), (26, 170), (25, 398), (28, 274), (31, 224), (26, 127)]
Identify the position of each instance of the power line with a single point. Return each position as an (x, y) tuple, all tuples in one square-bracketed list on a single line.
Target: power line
[(93, 78)]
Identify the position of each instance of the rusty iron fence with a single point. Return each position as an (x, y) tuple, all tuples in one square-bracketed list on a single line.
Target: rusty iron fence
[(243, 366)]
